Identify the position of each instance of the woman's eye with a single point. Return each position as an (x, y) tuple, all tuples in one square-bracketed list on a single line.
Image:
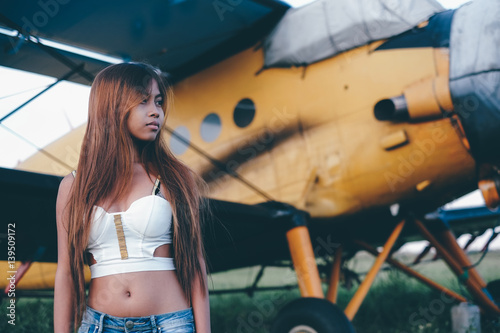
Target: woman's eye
[(159, 102), (144, 101)]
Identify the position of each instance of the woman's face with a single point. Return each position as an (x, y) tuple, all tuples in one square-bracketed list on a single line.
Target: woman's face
[(145, 120)]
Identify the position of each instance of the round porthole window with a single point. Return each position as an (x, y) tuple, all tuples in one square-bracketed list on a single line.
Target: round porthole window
[(244, 112), (210, 127), (179, 141)]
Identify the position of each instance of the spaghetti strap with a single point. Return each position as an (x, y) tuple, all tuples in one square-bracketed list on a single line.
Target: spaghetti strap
[(156, 188)]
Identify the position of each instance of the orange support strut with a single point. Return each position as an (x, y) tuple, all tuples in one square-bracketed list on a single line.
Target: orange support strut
[(335, 276), (304, 262), (414, 273), (450, 242), (359, 296), (477, 291)]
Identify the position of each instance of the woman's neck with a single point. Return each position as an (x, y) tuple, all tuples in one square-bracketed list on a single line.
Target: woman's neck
[(138, 148)]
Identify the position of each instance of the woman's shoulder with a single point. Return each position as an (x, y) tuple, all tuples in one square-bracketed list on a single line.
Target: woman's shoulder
[(67, 182), (63, 193)]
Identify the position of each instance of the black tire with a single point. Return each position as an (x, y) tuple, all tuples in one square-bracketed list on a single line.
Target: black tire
[(311, 315)]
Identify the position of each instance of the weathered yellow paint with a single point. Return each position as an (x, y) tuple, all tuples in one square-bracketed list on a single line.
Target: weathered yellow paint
[(39, 275), (426, 98), (394, 140), (316, 118), (330, 107)]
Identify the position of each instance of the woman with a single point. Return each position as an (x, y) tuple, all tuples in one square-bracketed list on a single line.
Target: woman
[(131, 211)]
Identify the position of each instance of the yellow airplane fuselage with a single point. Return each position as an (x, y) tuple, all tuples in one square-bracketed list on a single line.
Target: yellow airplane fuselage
[(334, 161), (314, 141)]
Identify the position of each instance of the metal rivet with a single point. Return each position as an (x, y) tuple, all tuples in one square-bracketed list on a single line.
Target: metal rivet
[(129, 324)]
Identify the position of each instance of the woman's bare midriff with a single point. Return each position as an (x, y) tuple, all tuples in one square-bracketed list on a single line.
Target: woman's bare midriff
[(138, 294)]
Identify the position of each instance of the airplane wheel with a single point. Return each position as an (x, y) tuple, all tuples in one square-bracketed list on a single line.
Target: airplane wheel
[(311, 315), (494, 290)]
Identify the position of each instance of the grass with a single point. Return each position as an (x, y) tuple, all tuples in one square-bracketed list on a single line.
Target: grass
[(395, 304), (32, 316)]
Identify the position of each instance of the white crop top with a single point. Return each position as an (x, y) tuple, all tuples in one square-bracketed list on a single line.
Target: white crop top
[(124, 242)]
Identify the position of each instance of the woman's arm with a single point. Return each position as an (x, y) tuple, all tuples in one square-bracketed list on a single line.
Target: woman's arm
[(63, 289), (200, 303)]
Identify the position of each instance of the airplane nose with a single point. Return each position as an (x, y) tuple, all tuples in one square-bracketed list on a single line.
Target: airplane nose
[(475, 88), (475, 76)]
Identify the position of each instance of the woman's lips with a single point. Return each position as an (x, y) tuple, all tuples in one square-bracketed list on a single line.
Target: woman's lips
[(154, 126)]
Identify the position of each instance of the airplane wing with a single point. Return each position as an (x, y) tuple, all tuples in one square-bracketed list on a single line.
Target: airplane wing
[(236, 235), (179, 36), (27, 205)]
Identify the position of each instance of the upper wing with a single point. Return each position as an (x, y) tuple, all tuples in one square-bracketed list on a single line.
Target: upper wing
[(27, 205), (236, 235), (180, 36)]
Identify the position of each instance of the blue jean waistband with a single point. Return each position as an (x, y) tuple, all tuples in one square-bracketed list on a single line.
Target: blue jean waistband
[(165, 320)]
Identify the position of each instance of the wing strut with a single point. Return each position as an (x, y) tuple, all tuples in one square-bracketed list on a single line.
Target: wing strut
[(62, 78), (459, 263), (359, 296)]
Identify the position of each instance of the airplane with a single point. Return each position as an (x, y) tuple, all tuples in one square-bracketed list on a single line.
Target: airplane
[(321, 130)]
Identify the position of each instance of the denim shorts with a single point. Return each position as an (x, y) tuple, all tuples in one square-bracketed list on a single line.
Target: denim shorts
[(172, 322)]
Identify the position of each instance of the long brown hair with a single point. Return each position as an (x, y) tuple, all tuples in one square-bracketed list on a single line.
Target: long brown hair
[(105, 164)]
